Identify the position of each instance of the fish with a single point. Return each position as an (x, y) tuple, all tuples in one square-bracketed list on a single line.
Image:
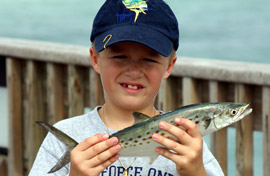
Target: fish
[(136, 140)]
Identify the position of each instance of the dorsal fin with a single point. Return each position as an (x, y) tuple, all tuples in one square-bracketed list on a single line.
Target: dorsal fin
[(139, 117)]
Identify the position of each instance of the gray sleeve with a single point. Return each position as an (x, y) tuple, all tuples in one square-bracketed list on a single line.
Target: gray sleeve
[(211, 165), (49, 153)]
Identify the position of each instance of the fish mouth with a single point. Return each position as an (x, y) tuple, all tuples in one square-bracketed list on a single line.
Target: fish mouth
[(246, 111)]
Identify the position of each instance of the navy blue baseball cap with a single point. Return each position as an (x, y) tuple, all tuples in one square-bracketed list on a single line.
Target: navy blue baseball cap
[(149, 22)]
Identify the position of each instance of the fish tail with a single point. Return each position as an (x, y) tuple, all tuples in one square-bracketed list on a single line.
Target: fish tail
[(67, 140)]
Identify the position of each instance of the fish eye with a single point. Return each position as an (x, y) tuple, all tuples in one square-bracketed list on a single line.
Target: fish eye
[(233, 112)]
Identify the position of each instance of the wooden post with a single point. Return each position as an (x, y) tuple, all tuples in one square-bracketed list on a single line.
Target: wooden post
[(15, 155), (3, 167), (34, 110), (266, 130), (244, 135), (96, 91), (55, 93), (75, 91), (219, 138), (169, 93), (190, 91)]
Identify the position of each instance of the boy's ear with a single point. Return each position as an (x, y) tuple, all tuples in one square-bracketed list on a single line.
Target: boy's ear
[(170, 67), (94, 59)]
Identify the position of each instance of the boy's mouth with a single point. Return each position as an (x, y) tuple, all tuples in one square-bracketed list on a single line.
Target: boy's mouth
[(132, 86)]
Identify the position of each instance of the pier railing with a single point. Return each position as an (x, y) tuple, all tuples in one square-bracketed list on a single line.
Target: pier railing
[(49, 82)]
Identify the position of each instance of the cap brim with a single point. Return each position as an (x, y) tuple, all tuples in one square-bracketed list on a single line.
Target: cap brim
[(143, 35)]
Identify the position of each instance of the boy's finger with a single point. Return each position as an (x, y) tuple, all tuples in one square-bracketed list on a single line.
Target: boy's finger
[(100, 147), (170, 144), (190, 127), (104, 156), (179, 133), (107, 163), (84, 145)]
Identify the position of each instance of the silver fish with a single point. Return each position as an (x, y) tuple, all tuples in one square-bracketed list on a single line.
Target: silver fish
[(136, 140)]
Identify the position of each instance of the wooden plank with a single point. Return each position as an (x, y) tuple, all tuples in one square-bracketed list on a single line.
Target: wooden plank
[(75, 91), (244, 134), (266, 131), (3, 167), (190, 92), (34, 110), (96, 91), (15, 156), (219, 139), (55, 92), (169, 96)]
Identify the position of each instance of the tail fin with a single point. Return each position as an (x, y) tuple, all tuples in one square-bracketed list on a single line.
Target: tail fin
[(68, 141)]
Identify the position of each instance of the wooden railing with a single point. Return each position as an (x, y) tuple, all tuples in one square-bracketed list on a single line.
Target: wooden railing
[(50, 82)]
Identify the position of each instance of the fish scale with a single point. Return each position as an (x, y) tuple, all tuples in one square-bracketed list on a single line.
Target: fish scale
[(136, 141)]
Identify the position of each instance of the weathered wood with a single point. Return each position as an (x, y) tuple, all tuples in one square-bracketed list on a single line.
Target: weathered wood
[(75, 91), (96, 91), (231, 71), (219, 139), (55, 93), (169, 96), (244, 134), (3, 167), (34, 110), (190, 92), (15, 156), (266, 131)]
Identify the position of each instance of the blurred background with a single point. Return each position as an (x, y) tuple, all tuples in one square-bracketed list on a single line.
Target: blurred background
[(235, 30)]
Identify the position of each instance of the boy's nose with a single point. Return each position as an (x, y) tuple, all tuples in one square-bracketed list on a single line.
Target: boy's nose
[(134, 70)]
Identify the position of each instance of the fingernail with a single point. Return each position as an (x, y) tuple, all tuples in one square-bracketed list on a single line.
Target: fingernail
[(105, 136), (158, 150), (177, 120), (117, 148), (155, 137), (114, 140), (162, 124)]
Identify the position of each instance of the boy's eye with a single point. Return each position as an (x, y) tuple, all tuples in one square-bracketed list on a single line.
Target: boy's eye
[(150, 60), (120, 57)]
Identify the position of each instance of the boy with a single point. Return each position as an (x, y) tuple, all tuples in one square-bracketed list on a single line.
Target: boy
[(133, 50)]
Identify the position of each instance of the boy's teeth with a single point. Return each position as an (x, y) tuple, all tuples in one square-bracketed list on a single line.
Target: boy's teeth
[(132, 87)]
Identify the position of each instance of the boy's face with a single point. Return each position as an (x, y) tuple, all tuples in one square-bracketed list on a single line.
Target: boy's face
[(131, 74)]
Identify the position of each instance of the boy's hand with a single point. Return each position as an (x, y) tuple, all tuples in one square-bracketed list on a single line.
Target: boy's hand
[(93, 155), (188, 149)]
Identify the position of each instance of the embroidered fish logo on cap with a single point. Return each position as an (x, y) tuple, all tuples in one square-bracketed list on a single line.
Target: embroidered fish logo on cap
[(137, 6)]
